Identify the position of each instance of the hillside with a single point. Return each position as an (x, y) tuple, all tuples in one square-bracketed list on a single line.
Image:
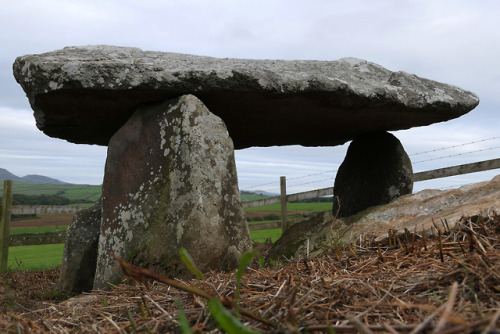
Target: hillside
[(85, 192), (36, 185), (6, 175), (32, 178), (40, 179), (70, 191), (248, 196)]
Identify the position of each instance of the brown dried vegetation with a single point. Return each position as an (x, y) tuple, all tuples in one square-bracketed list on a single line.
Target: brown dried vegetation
[(446, 281)]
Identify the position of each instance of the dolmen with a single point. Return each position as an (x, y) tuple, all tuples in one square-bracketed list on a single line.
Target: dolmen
[(171, 123)]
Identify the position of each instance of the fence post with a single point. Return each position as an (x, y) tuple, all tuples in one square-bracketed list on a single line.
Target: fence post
[(284, 218), (5, 224)]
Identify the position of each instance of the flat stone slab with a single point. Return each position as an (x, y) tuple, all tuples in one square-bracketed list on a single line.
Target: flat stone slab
[(85, 94)]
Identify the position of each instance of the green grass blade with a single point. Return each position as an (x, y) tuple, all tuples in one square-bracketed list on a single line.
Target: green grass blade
[(245, 260), (183, 321), (189, 262), (225, 320)]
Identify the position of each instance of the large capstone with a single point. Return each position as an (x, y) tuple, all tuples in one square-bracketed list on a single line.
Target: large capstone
[(376, 170), (170, 182), (80, 250), (85, 94)]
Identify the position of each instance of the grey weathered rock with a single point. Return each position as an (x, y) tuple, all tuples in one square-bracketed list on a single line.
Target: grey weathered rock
[(304, 238), (420, 209), (376, 170), (80, 250), (407, 212), (85, 94), (170, 182)]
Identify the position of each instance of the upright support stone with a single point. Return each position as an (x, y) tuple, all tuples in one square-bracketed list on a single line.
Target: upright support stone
[(376, 171), (80, 250), (170, 182)]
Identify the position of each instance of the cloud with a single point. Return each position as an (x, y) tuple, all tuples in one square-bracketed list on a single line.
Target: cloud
[(16, 119), (306, 168), (26, 150), (450, 41), (261, 168)]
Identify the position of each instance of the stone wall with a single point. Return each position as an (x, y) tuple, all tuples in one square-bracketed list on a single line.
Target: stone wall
[(26, 239)]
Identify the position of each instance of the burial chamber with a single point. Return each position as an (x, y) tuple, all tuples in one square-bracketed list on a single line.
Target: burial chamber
[(171, 123)]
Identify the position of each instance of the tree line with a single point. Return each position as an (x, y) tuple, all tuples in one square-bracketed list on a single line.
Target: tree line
[(19, 199), (316, 200)]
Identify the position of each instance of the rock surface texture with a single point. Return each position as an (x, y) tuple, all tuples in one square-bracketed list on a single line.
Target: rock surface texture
[(407, 212), (376, 170), (170, 182), (85, 94), (80, 250), (304, 238), (170, 179)]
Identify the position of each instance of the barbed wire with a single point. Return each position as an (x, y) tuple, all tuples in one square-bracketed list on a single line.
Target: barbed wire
[(262, 185), (456, 155), (312, 182), (293, 178), (414, 154), (454, 146), (319, 173)]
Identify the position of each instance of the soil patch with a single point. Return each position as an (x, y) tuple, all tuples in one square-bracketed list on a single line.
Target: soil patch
[(446, 283), (44, 220), (253, 214)]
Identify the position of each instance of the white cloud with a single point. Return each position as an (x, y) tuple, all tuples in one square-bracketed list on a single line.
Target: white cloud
[(450, 41), (26, 150), (11, 118)]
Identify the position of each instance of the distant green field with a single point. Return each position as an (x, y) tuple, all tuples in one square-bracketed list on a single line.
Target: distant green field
[(77, 191), (91, 193), (34, 230), (324, 206), (251, 197), (41, 257), (71, 191), (36, 257), (261, 222), (263, 235)]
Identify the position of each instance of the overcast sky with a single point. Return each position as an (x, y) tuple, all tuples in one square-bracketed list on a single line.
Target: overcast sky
[(452, 41)]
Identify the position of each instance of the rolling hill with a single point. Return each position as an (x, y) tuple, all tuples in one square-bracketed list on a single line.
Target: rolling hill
[(35, 185), (33, 178)]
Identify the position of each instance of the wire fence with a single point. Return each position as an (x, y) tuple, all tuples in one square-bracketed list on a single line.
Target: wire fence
[(308, 181), (53, 253)]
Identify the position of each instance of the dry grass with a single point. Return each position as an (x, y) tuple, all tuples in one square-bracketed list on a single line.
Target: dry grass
[(445, 282)]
